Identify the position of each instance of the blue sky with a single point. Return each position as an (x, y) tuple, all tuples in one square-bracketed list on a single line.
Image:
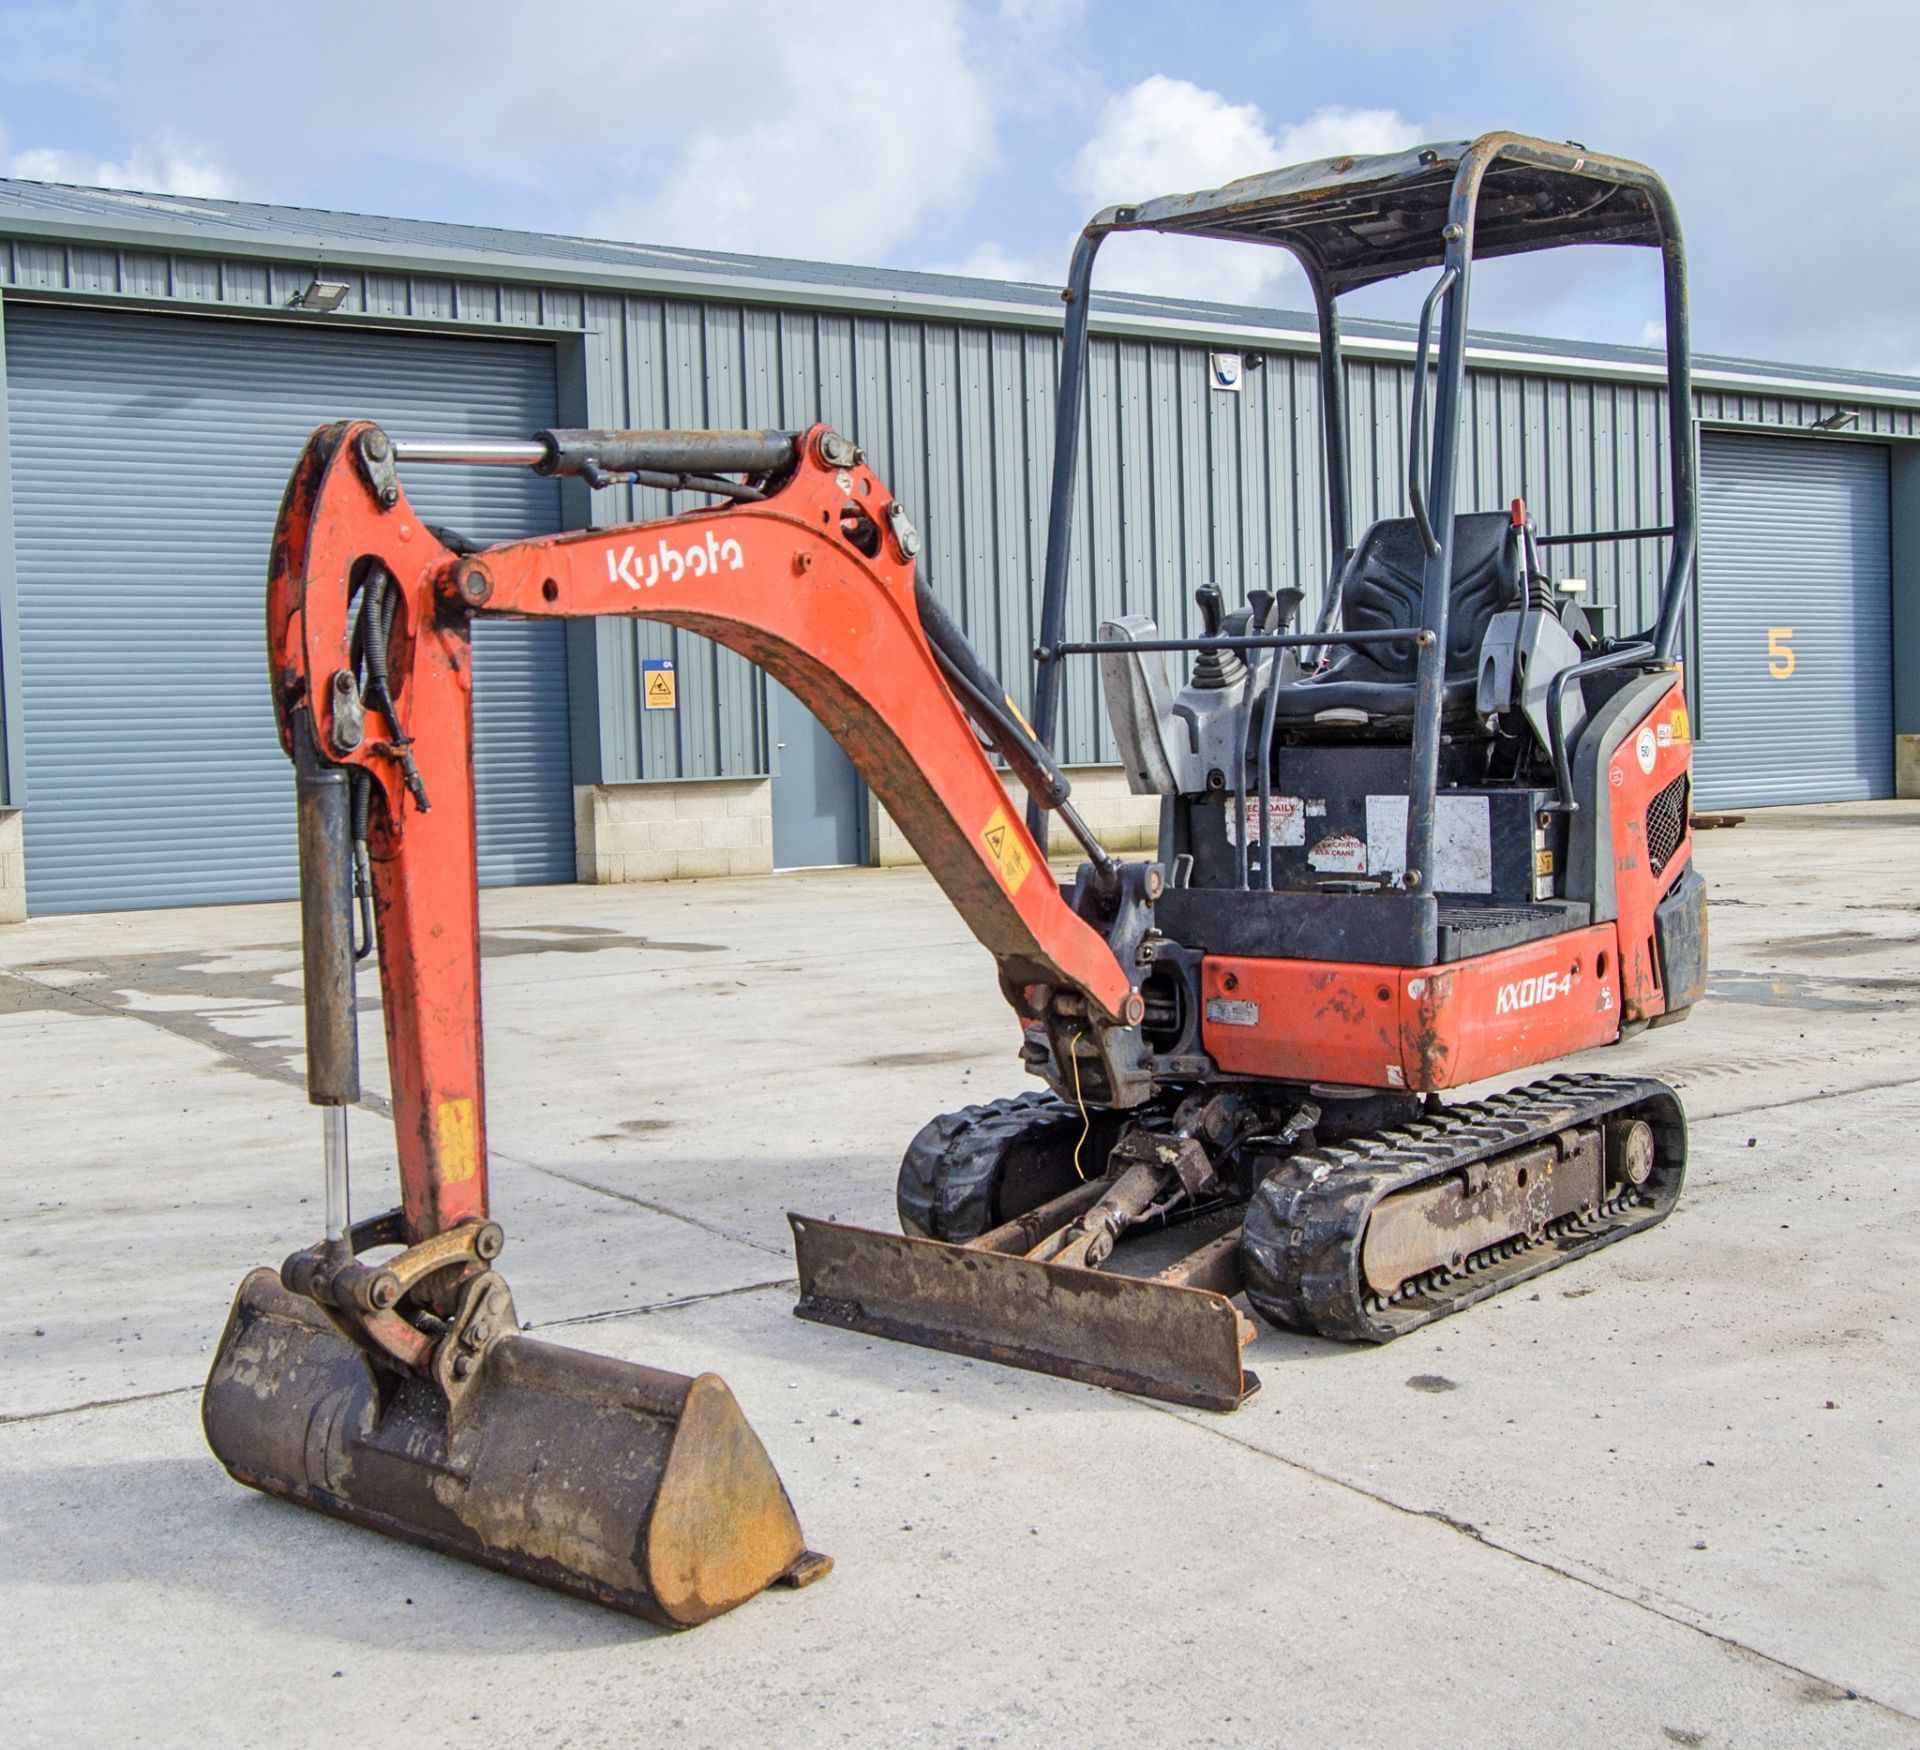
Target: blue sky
[(977, 134)]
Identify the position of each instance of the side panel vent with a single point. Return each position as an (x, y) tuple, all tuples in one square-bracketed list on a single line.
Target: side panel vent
[(1666, 824)]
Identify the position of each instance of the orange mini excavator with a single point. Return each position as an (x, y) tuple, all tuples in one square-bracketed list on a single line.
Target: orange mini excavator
[(1440, 837)]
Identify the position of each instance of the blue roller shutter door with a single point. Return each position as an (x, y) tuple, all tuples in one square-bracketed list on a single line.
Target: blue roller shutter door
[(1796, 622), (149, 456)]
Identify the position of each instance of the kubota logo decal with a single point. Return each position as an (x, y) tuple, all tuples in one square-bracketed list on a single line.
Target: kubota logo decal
[(1528, 993), (639, 570)]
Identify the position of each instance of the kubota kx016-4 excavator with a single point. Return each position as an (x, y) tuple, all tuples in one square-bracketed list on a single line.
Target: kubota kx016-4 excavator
[(1441, 837)]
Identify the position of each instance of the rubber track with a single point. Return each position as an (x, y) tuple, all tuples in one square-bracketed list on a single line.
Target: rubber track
[(1306, 1220), (946, 1185)]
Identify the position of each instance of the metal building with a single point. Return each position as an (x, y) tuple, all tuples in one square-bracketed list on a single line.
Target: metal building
[(160, 365)]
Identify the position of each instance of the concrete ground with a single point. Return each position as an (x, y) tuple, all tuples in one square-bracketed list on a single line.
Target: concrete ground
[(1665, 1496)]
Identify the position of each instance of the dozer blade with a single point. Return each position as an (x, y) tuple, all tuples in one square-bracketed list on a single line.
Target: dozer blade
[(1136, 1334), (622, 1484)]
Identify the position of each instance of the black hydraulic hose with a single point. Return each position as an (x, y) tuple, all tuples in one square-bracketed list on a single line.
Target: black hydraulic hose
[(987, 704), (380, 603), (360, 800)]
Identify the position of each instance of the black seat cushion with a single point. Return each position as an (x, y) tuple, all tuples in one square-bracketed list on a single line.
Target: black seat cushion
[(1380, 591)]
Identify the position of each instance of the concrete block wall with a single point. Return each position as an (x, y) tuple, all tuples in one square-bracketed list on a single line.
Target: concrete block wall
[(1121, 820), (13, 867), (673, 832)]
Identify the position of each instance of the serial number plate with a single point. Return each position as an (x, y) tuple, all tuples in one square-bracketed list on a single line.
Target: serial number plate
[(1233, 1012)]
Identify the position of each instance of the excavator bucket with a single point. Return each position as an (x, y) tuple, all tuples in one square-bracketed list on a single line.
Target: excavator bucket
[(618, 1483)]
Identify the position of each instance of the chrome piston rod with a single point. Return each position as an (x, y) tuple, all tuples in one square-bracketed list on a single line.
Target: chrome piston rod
[(474, 452), (339, 1207)]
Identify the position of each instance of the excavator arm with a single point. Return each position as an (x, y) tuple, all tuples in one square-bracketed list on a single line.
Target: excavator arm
[(382, 1375), (809, 573)]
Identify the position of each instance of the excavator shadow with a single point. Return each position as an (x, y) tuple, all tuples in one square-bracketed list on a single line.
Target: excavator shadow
[(157, 1522)]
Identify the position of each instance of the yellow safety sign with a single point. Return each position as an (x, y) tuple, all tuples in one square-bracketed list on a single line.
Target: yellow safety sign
[(458, 1137), (657, 692), (1004, 850)]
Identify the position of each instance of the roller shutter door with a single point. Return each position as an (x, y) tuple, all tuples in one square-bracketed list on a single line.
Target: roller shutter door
[(1796, 622), (149, 456)]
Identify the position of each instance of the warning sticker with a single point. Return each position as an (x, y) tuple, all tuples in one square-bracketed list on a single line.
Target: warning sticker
[(1677, 723), (1286, 821), (657, 686), (1004, 850)]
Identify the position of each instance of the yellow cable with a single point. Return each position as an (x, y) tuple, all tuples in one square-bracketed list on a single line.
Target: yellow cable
[(1086, 1123)]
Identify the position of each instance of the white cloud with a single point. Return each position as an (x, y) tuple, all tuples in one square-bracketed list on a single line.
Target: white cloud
[(1164, 136), (727, 127), (166, 164), (797, 149), (1168, 136)]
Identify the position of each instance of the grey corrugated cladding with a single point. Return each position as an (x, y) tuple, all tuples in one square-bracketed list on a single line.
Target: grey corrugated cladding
[(949, 384)]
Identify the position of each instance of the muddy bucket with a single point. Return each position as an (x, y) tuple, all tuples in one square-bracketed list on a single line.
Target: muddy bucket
[(639, 1489)]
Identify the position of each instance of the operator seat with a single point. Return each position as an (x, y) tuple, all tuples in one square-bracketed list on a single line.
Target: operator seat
[(1370, 687)]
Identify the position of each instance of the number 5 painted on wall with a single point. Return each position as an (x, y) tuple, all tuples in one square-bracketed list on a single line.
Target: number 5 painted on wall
[(1780, 661)]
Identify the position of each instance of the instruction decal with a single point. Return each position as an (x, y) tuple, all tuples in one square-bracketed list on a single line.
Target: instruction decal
[(1005, 852), (657, 686)]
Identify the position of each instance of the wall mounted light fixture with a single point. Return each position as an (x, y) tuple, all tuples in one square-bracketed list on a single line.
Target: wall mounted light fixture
[(322, 297)]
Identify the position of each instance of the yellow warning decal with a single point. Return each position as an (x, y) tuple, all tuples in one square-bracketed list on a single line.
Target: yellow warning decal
[(1682, 729), (1004, 850), (1543, 862), (659, 693), (459, 1149)]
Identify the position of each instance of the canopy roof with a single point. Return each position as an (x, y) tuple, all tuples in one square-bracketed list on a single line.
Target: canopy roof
[(1358, 220)]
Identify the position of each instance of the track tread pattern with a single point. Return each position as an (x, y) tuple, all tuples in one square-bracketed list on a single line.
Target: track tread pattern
[(949, 1173), (1301, 1246)]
